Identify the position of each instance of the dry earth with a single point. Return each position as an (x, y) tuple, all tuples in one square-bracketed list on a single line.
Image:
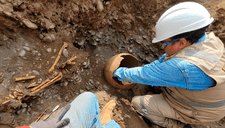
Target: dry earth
[(32, 33)]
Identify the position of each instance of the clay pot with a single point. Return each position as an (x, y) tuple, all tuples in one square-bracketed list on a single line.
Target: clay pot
[(119, 60)]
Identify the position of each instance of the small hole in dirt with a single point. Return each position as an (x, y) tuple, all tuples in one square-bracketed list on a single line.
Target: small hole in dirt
[(71, 23), (45, 30), (76, 45)]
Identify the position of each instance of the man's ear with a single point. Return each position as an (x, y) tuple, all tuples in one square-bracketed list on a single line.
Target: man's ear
[(184, 43)]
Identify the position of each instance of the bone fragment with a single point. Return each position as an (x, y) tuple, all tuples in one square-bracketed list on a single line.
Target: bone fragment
[(0, 74), (69, 62), (10, 95), (57, 78), (18, 93), (24, 78), (5, 102), (54, 73), (35, 88), (32, 85), (57, 58)]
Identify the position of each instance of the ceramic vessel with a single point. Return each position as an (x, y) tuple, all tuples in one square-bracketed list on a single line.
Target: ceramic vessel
[(119, 60)]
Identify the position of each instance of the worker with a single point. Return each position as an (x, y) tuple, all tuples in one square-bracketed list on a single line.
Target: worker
[(83, 112), (191, 73)]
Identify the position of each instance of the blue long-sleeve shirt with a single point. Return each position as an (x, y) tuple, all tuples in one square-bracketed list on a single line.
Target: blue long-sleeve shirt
[(171, 73)]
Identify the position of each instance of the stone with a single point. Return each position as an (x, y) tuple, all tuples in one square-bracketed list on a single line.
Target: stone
[(47, 39), (41, 36), (66, 83), (26, 48), (92, 32), (49, 50), (86, 64), (3, 1), (81, 43), (105, 87), (9, 14), (53, 37), (22, 53), (127, 116), (48, 24), (99, 5), (65, 53), (35, 72), (39, 80), (23, 6), (18, 112), (81, 91), (24, 105), (29, 24), (67, 98)]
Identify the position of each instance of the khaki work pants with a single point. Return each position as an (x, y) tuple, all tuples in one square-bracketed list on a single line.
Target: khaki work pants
[(156, 109)]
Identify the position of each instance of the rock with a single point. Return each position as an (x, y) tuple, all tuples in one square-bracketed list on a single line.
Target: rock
[(48, 24), (2, 1), (65, 53), (26, 48), (77, 79), (75, 7), (8, 7), (35, 72), (105, 87), (145, 37), (41, 36), (24, 105), (47, 39), (9, 14), (91, 32), (34, 51), (81, 91), (81, 42), (29, 109), (53, 37), (66, 83), (67, 98), (18, 112), (49, 50), (37, 6), (127, 116), (24, 110), (22, 53), (99, 5), (39, 80), (86, 64), (23, 6), (29, 24)]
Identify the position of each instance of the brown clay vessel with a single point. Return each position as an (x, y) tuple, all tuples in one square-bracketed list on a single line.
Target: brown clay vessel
[(119, 60)]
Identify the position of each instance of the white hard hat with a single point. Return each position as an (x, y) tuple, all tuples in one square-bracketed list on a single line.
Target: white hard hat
[(181, 18)]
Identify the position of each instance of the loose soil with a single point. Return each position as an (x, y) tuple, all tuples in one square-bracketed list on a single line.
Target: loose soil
[(32, 33)]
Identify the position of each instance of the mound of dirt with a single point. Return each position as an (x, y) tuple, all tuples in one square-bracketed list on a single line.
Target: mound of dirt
[(32, 34)]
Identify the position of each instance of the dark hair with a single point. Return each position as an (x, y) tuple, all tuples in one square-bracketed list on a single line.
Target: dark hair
[(192, 36)]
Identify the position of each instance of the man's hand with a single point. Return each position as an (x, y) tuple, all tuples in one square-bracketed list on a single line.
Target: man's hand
[(55, 121)]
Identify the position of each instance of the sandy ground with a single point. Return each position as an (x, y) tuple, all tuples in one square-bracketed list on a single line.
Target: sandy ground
[(33, 32)]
